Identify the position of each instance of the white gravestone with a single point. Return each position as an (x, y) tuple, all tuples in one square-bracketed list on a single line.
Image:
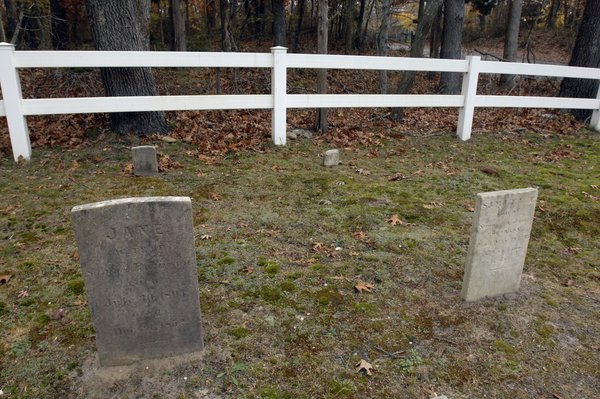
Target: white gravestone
[(498, 244)]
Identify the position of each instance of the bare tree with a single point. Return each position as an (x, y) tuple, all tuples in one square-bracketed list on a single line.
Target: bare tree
[(178, 42), (322, 33), (383, 41), (512, 39), (586, 53), (418, 44), (454, 16), (116, 26)]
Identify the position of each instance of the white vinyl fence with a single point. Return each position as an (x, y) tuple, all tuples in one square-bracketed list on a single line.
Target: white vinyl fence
[(16, 108)]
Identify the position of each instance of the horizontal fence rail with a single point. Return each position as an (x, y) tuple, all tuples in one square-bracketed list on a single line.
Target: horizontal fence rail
[(16, 109)]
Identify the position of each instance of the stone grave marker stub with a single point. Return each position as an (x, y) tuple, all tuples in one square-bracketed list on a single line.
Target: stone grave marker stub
[(498, 243), (331, 158), (144, 160), (139, 265)]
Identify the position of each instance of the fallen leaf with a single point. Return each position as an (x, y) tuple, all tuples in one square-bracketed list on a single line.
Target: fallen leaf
[(394, 220), (430, 392), (557, 396), (215, 196), (353, 254), (58, 314), (569, 282), (317, 246), (360, 235), (128, 167), (168, 139), (590, 196), (363, 172), (80, 303), (365, 366), (22, 294), (362, 286), (325, 202), (243, 225), (248, 269), (4, 279), (205, 237), (397, 176), (490, 171)]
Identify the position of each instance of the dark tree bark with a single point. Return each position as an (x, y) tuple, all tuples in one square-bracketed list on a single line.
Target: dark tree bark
[(383, 41), (301, 4), (349, 25), (358, 39), (435, 40), (322, 33), (227, 41), (416, 50), (115, 26), (211, 15), (551, 21), (60, 26), (279, 38), (586, 53), (177, 26), (512, 39), (11, 19), (454, 16), (421, 9)]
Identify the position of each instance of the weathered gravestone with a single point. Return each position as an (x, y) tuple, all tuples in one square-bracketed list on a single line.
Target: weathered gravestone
[(498, 244), (139, 265), (331, 158), (144, 160)]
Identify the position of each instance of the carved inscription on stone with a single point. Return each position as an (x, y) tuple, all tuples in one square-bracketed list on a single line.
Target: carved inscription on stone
[(498, 244), (139, 265)]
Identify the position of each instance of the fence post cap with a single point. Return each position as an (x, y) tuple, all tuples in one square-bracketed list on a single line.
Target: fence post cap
[(279, 48), (6, 46)]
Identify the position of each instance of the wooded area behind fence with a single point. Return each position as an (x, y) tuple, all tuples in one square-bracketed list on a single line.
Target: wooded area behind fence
[(16, 109)]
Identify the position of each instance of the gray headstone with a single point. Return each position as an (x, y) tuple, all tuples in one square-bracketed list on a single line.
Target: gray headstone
[(498, 244), (331, 158), (138, 261), (144, 160)]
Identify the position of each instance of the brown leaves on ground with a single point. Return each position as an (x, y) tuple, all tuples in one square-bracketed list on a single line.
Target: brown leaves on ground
[(365, 366), (215, 196), (58, 314), (361, 287), (317, 246), (248, 269), (23, 294), (395, 220), (166, 163)]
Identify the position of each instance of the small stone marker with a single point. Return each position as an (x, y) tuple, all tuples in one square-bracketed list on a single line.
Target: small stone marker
[(138, 261), (331, 158), (144, 160), (498, 244)]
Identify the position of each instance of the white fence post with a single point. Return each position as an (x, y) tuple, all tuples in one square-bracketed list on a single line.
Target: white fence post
[(12, 96), (595, 121), (469, 90), (278, 91)]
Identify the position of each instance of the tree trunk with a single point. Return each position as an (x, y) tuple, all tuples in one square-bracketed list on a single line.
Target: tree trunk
[(586, 53), (383, 42), (227, 41), (349, 22), (11, 19), (60, 27), (211, 15), (115, 26), (279, 23), (322, 32), (435, 40), (361, 18), (177, 26), (421, 9), (551, 22), (418, 44), (454, 16), (299, 26), (512, 39)]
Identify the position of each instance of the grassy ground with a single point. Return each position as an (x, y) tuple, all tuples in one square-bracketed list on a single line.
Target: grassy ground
[(289, 239)]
